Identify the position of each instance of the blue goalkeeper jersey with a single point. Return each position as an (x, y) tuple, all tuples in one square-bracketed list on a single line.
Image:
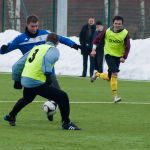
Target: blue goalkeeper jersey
[(25, 43)]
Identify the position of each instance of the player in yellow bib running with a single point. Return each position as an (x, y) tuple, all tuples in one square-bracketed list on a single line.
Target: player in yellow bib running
[(116, 49)]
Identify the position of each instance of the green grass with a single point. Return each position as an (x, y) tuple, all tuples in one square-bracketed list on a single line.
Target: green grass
[(104, 126)]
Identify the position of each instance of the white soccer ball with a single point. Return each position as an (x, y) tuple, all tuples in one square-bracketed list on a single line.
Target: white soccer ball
[(50, 107)]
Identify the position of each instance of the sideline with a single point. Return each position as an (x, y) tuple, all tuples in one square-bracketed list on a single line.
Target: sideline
[(88, 78)]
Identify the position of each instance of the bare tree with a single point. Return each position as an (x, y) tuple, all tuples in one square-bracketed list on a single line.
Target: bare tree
[(10, 5), (142, 27), (14, 14), (106, 10), (17, 15), (116, 11)]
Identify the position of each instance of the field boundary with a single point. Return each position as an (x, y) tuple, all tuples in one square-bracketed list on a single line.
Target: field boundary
[(87, 78)]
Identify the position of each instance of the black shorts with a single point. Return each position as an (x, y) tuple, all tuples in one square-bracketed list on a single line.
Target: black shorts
[(113, 63)]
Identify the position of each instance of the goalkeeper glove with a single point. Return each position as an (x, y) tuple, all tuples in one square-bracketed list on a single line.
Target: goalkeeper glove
[(17, 85), (4, 48), (76, 46)]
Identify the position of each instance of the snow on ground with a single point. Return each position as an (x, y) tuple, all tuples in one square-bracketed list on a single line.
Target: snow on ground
[(136, 67)]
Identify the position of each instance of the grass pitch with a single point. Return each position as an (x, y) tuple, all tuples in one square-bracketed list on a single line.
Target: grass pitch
[(105, 125)]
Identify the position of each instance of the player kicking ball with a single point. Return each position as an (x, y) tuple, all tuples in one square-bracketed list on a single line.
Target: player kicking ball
[(33, 71)]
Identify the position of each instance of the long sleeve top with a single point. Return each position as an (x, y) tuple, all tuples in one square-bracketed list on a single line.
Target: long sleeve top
[(101, 37)]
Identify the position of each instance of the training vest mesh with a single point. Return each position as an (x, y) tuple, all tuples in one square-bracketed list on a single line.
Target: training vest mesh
[(114, 42), (33, 64)]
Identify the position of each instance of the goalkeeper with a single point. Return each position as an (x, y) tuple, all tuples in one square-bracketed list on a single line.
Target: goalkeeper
[(35, 69)]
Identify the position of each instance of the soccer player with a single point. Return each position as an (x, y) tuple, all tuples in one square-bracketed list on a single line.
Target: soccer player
[(31, 37), (34, 71), (116, 49)]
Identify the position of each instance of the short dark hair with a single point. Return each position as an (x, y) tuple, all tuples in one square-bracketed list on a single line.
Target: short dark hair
[(32, 18), (52, 37), (99, 23), (118, 18)]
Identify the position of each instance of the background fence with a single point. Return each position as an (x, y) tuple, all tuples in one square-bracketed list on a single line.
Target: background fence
[(135, 12)]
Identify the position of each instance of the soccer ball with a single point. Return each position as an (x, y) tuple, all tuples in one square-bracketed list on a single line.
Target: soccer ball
[(50, 107)]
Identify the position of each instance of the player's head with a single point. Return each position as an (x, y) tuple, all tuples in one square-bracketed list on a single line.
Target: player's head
[(118, 23), (32, 23), (52, 37)]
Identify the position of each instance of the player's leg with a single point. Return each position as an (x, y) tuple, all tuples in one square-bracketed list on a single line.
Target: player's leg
[(97, 74), (98, 70), (28, 96), (114, 87), (61, 98), (113, 65), (55, 84)]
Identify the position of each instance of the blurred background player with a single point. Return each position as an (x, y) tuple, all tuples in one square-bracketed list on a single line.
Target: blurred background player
[(99, 57), (86, 38), (34, 71), (31, 37), (116, 49)]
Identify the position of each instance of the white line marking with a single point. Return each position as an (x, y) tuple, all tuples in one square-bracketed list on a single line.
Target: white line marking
[(136, 103)]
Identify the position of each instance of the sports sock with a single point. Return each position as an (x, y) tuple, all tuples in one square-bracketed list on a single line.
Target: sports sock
[(104, 76), (114, 83)]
